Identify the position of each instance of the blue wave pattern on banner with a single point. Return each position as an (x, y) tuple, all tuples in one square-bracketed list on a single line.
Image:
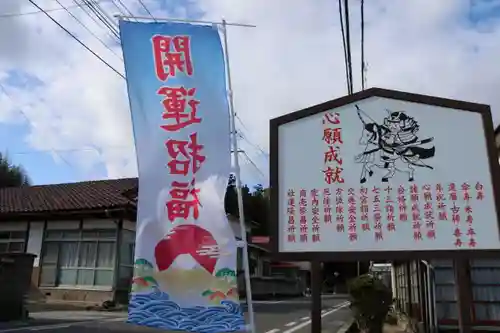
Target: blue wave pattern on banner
[(158, 311)]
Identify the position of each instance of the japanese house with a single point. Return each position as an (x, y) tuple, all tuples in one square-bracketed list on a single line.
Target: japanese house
[(84, 237), (426, 290)]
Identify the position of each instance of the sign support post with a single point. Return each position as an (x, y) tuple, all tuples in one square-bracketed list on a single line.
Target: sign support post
[(464, 301), (316, 279), (237, 173)]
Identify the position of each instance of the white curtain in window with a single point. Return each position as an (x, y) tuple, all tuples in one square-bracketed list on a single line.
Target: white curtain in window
[(68, 255), (88, 254), (106, 255), (485, 276)]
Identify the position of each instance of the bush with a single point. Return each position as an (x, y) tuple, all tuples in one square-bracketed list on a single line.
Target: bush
[(371, 300)]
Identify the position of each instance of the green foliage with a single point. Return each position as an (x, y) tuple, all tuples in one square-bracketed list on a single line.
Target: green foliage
[(255, 205), (371, 300), (12, 175)]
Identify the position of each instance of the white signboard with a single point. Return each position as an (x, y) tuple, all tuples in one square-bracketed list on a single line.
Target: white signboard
[(383, 174)]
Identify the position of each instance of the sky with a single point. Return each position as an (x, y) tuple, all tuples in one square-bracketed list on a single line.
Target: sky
[(65, 116)]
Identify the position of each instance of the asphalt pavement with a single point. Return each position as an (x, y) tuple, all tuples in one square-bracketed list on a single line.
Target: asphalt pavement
[(283, 316)]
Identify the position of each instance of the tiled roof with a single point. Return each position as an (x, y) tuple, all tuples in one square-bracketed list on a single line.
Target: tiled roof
[(101, 194)]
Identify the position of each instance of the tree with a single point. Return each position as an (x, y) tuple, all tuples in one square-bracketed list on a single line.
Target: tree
[(12, 175), (255, 204)]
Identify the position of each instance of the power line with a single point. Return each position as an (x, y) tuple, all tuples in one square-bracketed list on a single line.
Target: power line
[(96, 10), (344, 47), (146, 9), (108, 18), (125, 7), (86, 11), (39, 11), (88, 29), (254, 165), (363, 69), (348, 43), (78, 40)]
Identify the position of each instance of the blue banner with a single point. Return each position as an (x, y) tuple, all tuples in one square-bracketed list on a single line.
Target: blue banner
[(185, 256)]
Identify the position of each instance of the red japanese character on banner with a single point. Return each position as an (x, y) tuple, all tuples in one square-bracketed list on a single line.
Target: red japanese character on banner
[(332, 118), (364, 209), (351, 202), (316, 238), (427, 192), (440, 205), (332, 136), (465, 192), (327, 208), (339, 209), (389, 209), (180, 106), (470, 232), (429, 212), (333, 176), (431, 233), (479, 191), (472, 243), (315, 214), (388, 191), (455, 217), (167, 61), (403, 216), (377, 213), (303, 218), (184, 201), (414, 193), (291, 216), (415, 211), (457, 233), (452, 191), (190, 150), (379, 236), (333, 155)]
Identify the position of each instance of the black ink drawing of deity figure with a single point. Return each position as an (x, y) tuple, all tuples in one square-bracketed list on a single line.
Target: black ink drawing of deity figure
[(393, 146)]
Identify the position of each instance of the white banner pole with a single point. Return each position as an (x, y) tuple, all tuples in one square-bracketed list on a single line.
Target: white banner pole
[(237, 174), (160, 19)]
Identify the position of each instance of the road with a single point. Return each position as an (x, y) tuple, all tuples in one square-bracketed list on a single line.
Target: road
[(286, 316)]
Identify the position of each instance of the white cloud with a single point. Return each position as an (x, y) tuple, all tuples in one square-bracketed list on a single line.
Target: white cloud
[(293, 59)]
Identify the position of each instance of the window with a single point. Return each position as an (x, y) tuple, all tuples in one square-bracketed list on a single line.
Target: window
[(12, 241), (127, 253), (446, 301), (78, 258), (486, 289)]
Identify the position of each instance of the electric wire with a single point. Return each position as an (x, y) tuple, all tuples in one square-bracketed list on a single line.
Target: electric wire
[(78, 40), (147, 10), (39, 11), (101, 18), (363, 68), (106, 16), (344, 47), (348, 44), (92, 17), (88, 29), (125, 7)]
